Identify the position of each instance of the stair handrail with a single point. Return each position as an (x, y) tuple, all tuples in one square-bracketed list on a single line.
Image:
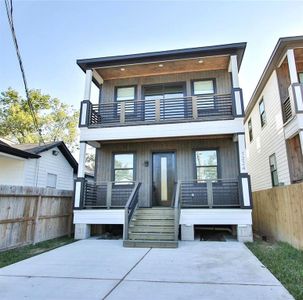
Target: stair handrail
[(130, 207), (177, 208)]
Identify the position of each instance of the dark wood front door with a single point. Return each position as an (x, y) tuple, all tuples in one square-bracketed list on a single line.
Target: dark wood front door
[(164, 177)]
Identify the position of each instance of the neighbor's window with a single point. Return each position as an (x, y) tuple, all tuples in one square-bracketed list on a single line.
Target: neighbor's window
[(124, 168), (125, 94), (301, 77), (51, 180), (262, 113), (273, 170), (250, 132), (206, 165)]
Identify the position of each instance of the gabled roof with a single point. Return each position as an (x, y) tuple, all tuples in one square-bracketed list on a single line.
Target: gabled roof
[(33, 151), (279, 51), (235, 48)]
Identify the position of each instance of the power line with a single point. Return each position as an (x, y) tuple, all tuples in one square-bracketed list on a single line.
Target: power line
[(9, 11)]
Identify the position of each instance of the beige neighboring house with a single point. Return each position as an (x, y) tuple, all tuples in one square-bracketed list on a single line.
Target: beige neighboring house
[(49, 165), (274, 119)]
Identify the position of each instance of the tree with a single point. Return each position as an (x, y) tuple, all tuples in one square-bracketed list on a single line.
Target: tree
[(58, 121)]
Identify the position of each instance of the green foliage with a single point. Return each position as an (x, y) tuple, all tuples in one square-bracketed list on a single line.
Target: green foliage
[(58, 121), (284, 261), (12, 256)]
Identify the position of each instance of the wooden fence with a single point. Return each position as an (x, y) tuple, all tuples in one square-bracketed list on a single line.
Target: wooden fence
[(30, 215), (278, 214)]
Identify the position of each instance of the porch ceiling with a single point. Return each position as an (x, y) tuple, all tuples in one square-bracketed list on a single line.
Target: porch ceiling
[(219, 62), (299, 59)]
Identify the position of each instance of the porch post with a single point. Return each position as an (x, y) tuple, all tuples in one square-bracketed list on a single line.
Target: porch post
[(244, 178), (292, 66), (295, 90), (88, 84), (237, 96), (82, 155)]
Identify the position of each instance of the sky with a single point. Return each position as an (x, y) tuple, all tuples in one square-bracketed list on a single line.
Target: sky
[(52, 35)]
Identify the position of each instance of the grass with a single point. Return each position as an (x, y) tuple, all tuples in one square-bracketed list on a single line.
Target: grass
[(284, 261), (12, 256)]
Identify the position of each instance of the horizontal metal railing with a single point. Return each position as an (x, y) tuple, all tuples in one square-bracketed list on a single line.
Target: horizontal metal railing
[(217, 193), (206, 107), (287, 110), (106, 194)]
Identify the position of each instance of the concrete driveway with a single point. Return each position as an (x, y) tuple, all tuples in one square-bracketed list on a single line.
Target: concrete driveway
[(98, 269)]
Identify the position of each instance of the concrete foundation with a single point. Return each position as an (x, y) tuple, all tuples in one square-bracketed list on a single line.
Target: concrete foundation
[(187, 232), (82, 231), (244, 233)]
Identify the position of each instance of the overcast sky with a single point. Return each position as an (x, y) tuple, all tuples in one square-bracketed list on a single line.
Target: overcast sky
[(53, 34)]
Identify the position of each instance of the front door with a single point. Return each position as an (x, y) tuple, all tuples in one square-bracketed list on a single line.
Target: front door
[(164, 174)]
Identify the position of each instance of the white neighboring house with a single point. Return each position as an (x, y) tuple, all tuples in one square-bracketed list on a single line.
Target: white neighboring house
[(50, 165), (274, 119)]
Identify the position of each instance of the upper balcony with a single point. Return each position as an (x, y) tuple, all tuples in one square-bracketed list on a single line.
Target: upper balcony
[(164, 89)]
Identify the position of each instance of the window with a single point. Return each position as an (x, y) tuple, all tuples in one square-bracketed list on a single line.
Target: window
[(206, 165), (202, 87), (124, 94), (124, 168), (250, 133), (51, 180), (301, 77), (273, 170), (262, 113)]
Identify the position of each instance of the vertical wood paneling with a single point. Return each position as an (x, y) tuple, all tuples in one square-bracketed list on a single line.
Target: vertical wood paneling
[(222, 81), (184, 156)]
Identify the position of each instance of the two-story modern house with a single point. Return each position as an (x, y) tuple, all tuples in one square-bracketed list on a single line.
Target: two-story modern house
[(169, 137), (274, 119)]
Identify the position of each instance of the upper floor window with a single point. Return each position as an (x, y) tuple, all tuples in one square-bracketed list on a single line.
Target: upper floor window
[(126, 93), (202, 87), (250, 132), (51, 180), (273, 170), (301, 77), (262, 113), (123, 168), (206, 165)]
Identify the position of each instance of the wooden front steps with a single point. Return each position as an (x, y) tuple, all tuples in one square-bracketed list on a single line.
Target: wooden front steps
[(152, 228)]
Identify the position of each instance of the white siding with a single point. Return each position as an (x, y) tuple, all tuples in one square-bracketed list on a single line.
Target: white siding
[(11, 171), (49, 163), (267, 140)]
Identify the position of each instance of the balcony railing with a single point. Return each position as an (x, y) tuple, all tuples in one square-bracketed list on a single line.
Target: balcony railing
[(106, 194), (220, 193), (133, 112)]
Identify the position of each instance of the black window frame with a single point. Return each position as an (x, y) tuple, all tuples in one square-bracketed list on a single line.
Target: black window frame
[(134, 112), (250, 130), (262, 114), (203, 79), (272, 171), (218, 166), (133, 168)]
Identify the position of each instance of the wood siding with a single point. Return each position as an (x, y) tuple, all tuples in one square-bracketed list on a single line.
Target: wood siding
[(222, 77), (267, 140), (184, 149)]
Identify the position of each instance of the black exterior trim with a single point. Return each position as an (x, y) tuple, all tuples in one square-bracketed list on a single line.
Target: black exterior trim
[(241, 200), (17, 152), (231, 49)]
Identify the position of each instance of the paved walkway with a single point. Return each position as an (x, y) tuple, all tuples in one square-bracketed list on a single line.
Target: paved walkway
[(98, 269)]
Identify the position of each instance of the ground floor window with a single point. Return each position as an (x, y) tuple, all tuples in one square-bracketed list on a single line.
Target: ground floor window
[(273, 170), (206, 163), (123, 168)]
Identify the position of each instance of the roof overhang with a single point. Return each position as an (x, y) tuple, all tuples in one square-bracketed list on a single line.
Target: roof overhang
[(276, 59), (16, 152), (163, 62)]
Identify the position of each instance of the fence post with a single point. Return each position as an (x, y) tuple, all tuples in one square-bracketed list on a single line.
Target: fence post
[(157, 109), (37, 221), (194, 107), (210, 199), (109, 195)]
